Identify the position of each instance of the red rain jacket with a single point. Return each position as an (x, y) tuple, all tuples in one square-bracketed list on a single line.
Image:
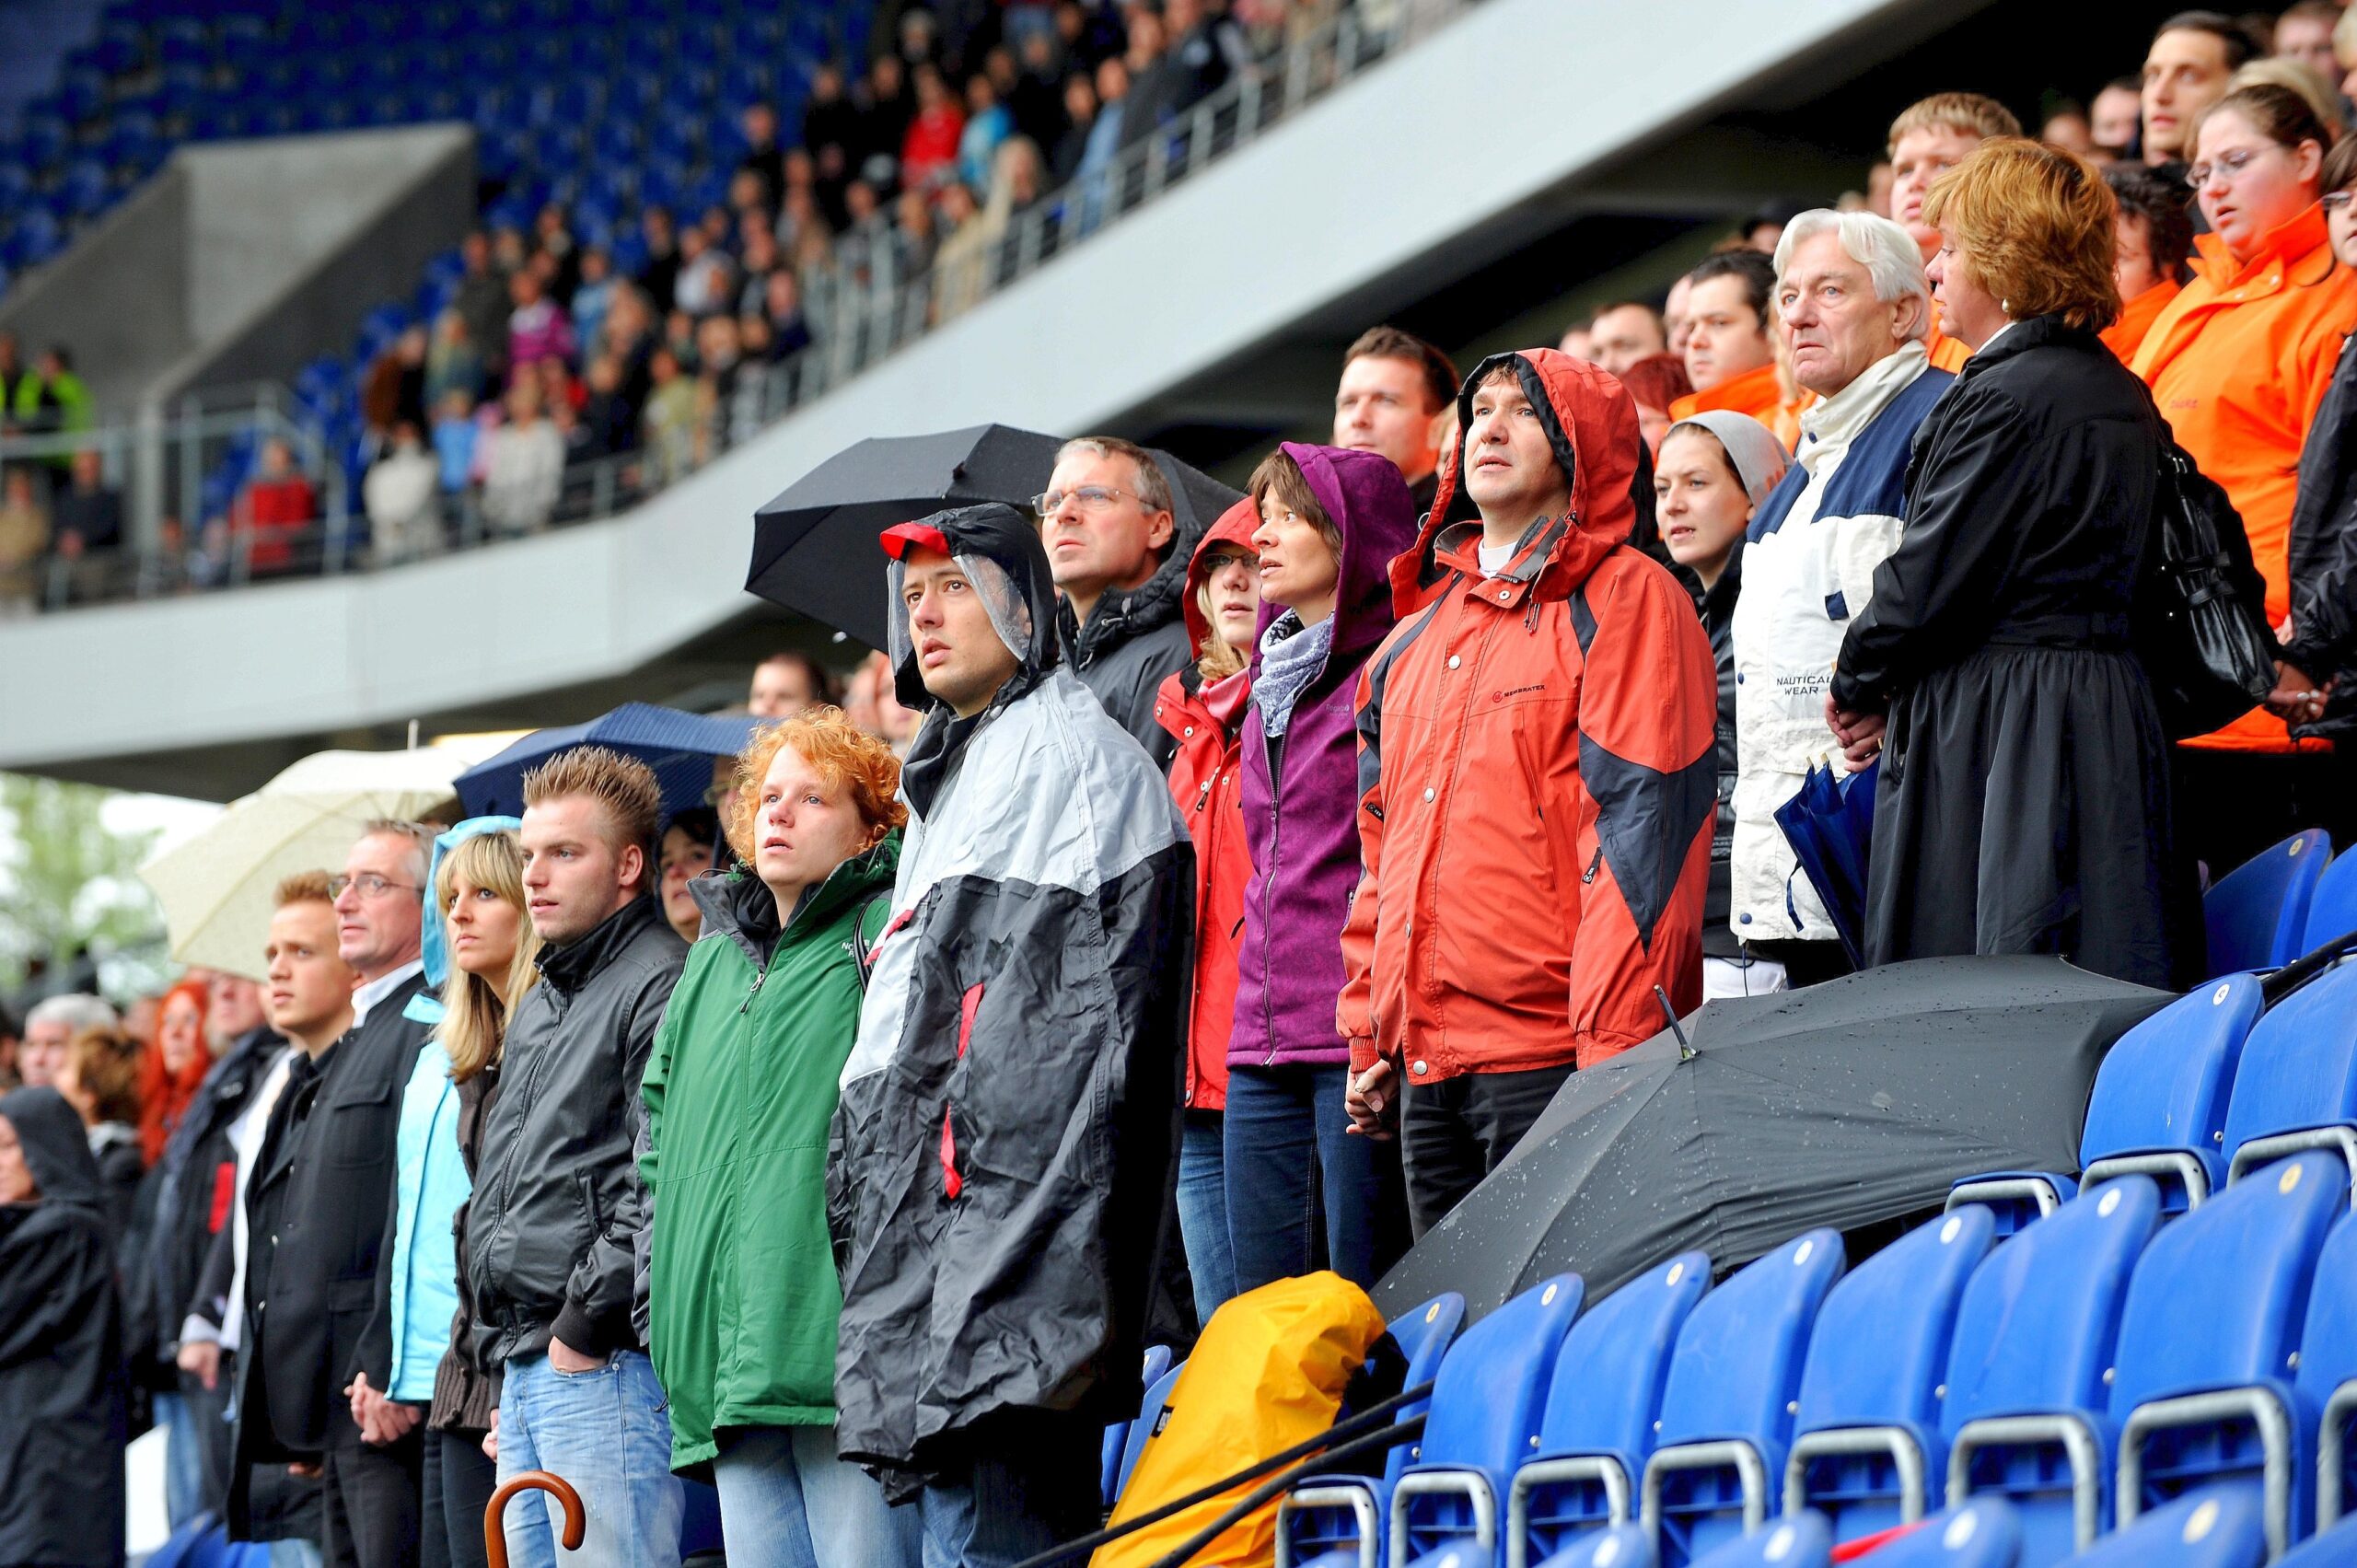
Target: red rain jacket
[(1537, 773)]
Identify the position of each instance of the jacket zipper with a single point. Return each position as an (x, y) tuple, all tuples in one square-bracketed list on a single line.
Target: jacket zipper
[(759, 974), (1268, 884)]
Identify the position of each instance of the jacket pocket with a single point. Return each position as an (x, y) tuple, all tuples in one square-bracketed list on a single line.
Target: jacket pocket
[(585, 1185)]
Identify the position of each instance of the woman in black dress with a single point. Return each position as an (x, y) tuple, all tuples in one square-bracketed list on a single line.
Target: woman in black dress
[(2023, 804)]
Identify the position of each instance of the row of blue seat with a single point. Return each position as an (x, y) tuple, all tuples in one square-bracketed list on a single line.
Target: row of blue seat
[(2094, 1366), (2279, 905)]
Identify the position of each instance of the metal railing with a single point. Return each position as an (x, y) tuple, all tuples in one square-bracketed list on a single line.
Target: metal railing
[(860, 313)]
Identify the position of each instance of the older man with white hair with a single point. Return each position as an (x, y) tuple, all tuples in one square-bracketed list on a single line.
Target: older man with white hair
[(1851, 290), (50, 1027)]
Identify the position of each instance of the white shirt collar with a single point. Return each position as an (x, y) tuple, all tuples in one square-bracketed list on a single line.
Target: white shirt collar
[(1995, 336), (1838, 418), (384, 986)]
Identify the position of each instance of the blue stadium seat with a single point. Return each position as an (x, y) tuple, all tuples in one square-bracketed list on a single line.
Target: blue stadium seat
[(1337, 1521), (1726, 1412), (2296, 1086), (2257, 914), (1598, 1429), (2217, 1527), (1149, 1421), (1800, 1541), (2029, 1363), (2327, 1380), (2209, 1341), (1484, 1418), (1983, 1533), (1116, 1435), (2335, 1547), (1866, 1446), (2333, 909), (1621, 1546)]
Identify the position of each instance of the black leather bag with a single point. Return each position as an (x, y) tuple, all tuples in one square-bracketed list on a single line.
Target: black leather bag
[(2203, 634)]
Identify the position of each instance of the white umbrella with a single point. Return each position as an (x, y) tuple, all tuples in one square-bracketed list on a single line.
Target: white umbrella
[(217, 889)]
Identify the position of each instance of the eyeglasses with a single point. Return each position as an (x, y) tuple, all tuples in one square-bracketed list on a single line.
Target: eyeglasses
[(1091, 498), (2229, 164), (369, 884), (2337, 200)]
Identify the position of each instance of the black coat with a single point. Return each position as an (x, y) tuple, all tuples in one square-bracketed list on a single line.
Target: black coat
[(2024, 797), (315, 1221), (1718, 898), (195, 1181), (2324, 552), (63, 1422)]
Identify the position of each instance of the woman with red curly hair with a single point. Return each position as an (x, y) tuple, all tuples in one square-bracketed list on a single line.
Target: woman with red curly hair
[(174, 1064), (740, 1089)]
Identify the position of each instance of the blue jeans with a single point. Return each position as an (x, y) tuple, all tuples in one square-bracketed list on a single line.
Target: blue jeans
[(1032, 1485), (606, 1432), (788, 1502), (1202, 1213), (1290, 1158), (183, 1459)]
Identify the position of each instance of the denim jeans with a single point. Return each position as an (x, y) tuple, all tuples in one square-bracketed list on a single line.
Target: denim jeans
[(606, 1432), (1202, 1213), (1032, 1484), (183, 1459), (788, 1502), (1290, 1156)]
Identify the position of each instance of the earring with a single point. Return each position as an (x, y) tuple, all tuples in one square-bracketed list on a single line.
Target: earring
[(2007, 305)]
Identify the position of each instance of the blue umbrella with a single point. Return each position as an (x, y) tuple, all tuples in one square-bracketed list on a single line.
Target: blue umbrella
[(679, 746), (1829, 825)]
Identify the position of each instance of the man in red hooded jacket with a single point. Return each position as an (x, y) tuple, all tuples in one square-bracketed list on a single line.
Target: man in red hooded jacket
[(1537, 783)]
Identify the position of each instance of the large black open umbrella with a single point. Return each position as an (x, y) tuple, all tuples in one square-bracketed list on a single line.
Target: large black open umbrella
[(1845, 1105), (814, 547)]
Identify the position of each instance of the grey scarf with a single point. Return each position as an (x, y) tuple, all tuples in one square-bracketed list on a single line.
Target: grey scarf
[(1290, 659)]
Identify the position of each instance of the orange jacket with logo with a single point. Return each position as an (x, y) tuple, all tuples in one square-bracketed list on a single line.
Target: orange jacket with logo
[(1759, 392), (1537, 773), (2239, 362)]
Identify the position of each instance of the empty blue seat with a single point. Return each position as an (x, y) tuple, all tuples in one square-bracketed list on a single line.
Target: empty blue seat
[(1330, 1520), (2027, 1366), (2257, 915), (1726, 1412), (1484, 1418), (1800, 1541), (2296, 1086), (1116, 1435), (2335, 1547), (1618, 1546), (2159, 1106), (2217, 1527), (1868, 1451), (2327, 1380), (1149, 1421), (2209, 1341), (1983, 1533), (2332, 911), (1598, 1429)]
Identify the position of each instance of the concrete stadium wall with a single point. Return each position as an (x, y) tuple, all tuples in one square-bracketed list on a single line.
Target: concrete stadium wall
[(239, 260), (1165, 295)]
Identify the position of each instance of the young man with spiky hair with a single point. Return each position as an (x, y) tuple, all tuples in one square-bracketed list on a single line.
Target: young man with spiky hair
[(558, 1208)]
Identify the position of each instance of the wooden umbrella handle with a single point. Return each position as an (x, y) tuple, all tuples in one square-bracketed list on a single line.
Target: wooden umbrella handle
[(494, 1531)]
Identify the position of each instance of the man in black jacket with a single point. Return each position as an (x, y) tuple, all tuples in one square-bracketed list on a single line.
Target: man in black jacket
[(316, 1205), (558, 1208)]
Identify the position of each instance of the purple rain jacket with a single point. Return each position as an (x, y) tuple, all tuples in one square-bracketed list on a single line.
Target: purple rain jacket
[(1300, 817)]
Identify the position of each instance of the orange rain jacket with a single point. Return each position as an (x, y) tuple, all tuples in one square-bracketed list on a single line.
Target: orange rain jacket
[(2239, 362), (1759, 392), (1537, 772), (2125, 336)]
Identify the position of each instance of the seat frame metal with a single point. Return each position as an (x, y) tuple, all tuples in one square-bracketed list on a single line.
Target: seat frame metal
[(1359, 1500), (1895, 1440), (2260, 1405), (1748, 1467), (1468, 1484), (1542, 1473), (2078, 1443)]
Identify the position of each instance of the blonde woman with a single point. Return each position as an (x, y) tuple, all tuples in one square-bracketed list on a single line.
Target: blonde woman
[(481, 951)]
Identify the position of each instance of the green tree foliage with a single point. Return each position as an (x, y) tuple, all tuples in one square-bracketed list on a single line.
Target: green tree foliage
[(69, 886)]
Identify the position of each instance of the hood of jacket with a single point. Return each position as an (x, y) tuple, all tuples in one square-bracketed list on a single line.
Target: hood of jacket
[(1370, 506), (573, 966), (1235, 529), (739, 905), (1591, 422), (57, 1149)]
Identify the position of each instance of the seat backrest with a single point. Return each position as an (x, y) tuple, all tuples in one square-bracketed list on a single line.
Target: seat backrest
[(2217, 1527), (2035, 1331), (1983, 1533), (1608, 1380), (2332, 912), (2329, 1336), (1804, 1540), (1879, 1351), (2219, 1295), (2256, 914), (1738, 1361), (1423, 1336), (1487, 1401), (1149, 1419), (2336, 1548), (2165, 1083), (2299, 1067)]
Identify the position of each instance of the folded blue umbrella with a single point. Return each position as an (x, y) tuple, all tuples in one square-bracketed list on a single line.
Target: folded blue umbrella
[(1831, 824), (679, 747)]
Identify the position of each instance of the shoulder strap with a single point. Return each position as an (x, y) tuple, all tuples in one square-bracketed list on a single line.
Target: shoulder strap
[(866, 931)]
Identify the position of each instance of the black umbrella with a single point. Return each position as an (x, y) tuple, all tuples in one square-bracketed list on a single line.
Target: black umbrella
[(814, 547), (1845, 1104)]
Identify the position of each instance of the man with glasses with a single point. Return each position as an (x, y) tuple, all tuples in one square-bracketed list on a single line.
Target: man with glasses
[(1110, 526), (330, 1162)]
